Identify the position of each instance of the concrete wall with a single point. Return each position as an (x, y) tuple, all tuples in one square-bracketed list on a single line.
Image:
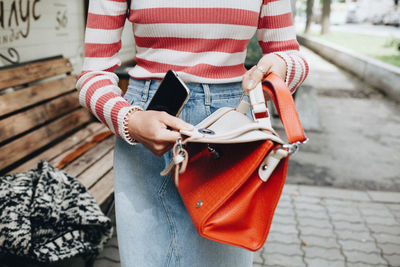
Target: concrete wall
[(382, 76)]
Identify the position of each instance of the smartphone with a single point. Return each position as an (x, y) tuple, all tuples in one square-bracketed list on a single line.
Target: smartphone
[(171, 95)]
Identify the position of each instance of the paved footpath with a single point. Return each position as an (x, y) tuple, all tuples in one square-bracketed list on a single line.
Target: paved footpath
[(354, 132), (321, 226)]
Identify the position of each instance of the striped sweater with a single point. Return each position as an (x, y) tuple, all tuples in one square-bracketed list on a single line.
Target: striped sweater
[(203, 40)]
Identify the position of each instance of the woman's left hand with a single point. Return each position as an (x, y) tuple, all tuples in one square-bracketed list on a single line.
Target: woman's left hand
[(267, 64)]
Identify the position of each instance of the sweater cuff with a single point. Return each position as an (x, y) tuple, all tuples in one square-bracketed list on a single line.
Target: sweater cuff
[(289, 67)]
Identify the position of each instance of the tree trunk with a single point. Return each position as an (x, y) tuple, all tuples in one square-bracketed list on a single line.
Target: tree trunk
[(309, 10), (325, 19)]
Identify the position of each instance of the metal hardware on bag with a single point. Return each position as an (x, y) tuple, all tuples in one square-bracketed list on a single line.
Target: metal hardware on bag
[(293, 148), (264, 167), (215, 154), (179, 158), (270, 162), (206, 131), (199, 204), (179, 141), (179, 146), (179, 154)]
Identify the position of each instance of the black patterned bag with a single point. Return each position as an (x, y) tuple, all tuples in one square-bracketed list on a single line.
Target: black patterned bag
[(47, 215)]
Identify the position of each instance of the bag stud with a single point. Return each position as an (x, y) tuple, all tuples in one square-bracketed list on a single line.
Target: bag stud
[(265, 167), (213, 152), (206, 131), (199, 204)]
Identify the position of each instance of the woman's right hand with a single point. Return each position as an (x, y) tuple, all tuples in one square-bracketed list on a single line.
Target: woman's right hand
[(150, 128)]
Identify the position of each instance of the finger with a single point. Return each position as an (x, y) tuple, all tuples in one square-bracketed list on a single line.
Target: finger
[(280, 71), (157, 149), (166, 148), (176, 123), (258, 74), (161, 148), (165, 135), (246, 79)]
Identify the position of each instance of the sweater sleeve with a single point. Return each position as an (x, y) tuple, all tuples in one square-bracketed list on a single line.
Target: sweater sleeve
[(276, 34), (97, 84)]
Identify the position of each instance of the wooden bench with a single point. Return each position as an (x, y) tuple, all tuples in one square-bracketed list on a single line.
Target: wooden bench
[(40, 118)]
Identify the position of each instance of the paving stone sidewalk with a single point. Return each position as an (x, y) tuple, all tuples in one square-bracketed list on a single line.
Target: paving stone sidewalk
[(322, 226)]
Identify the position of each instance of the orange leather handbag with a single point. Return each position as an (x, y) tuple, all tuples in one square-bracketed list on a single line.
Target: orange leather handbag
[(230, 170)]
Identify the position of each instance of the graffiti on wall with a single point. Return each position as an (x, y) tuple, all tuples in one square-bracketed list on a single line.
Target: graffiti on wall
[(61, 19), (26, 25), (12, 56), (16, 17)]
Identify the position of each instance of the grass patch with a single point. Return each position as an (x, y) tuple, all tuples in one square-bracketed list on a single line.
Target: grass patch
[(379, 47)]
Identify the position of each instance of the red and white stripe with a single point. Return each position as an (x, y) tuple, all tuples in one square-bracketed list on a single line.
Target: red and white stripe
[(204, 41)]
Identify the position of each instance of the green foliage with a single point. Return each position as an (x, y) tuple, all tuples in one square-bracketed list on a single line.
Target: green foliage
[(254, 53), (393, 42), (394, 60)]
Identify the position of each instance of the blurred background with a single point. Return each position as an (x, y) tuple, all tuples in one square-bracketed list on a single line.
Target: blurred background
[(370, 27)]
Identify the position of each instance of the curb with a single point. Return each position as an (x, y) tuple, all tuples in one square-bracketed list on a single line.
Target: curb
[(382, 76), (343, 194)]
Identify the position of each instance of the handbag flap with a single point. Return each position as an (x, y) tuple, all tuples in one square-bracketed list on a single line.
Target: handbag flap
[(203, 190), (230, 126)]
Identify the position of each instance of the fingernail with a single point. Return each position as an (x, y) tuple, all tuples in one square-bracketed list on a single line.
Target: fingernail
[(250, 85)]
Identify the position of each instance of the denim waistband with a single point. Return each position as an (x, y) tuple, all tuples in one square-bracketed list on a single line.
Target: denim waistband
[(146, 89)]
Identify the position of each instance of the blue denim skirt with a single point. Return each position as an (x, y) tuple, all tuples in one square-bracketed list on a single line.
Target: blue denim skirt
[(153, 226)]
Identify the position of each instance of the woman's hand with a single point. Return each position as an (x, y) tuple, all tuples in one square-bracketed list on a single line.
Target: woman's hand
[(150, 129), (267, 64)]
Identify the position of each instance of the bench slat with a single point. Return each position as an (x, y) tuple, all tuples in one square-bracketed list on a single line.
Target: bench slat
[(89, 158), (13, 101), (33, 72), (31, 142), (56, 161), (79, 151), (24, 121), (97, 170), (103, 189), (60, 148)]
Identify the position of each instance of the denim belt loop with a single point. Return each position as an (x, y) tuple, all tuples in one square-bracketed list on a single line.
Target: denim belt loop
[(146, 89), (207, 97)]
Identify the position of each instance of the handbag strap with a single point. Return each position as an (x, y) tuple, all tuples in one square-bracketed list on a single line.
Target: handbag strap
[(286, 108), (258, 106)]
